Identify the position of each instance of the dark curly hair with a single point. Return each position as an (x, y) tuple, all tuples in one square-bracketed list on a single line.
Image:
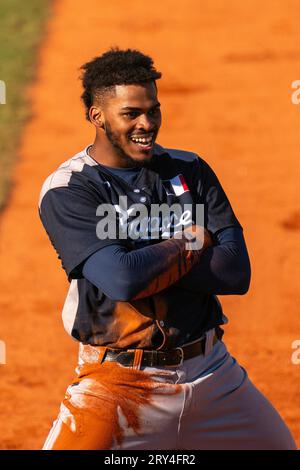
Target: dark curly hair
[(115, 67)]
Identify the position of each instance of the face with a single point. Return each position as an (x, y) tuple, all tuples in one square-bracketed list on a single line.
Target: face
[(132, 118)]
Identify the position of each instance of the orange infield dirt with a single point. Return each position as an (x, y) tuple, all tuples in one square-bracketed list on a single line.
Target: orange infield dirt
[(226, 94)]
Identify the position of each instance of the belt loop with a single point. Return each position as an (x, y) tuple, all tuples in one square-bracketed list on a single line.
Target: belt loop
[(209, 341), (137, 361), (101, 354)]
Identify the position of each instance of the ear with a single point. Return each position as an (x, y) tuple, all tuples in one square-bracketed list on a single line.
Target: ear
[(96, 116)]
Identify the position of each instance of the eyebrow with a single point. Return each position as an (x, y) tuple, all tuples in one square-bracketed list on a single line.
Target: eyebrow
[(133, 108)]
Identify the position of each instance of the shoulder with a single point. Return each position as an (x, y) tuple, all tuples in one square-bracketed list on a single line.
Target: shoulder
[(177, 154), (174, 160), (63, 175)]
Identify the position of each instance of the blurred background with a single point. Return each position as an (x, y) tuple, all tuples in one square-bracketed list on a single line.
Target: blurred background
[(226, 93)]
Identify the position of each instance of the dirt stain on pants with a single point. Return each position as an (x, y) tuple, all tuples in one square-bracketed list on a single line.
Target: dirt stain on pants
[(90, 414)]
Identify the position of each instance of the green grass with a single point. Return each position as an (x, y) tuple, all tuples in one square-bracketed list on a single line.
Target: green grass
[(22, 25)]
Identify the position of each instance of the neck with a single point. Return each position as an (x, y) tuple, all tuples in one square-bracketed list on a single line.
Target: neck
[(103, 152)]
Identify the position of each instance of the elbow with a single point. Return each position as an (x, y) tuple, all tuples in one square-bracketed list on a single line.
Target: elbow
[(122, 297), (243, 283), (243, 277), (122, 292), (117, 296)]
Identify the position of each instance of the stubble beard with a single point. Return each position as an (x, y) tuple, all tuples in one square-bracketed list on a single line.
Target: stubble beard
[(130, 162)]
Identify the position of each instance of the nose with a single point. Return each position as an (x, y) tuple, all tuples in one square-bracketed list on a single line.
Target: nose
[(145, 122)]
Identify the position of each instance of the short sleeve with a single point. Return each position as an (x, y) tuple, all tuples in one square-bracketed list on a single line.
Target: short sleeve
[(218, 213), (69, 218)]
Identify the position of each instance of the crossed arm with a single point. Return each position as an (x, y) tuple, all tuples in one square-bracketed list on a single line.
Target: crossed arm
[(219, 268)]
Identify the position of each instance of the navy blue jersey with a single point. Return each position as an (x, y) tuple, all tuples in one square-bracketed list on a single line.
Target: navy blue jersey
[(68, 209)]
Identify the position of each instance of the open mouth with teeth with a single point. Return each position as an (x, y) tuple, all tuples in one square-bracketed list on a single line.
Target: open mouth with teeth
[(144, 142)]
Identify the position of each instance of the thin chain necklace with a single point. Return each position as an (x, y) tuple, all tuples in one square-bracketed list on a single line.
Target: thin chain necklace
[(88, 150)]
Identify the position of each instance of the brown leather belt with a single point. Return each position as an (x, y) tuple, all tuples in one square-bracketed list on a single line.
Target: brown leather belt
[(152, 358)]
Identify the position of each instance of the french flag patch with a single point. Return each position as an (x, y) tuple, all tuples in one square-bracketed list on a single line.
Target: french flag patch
[(176, 186)]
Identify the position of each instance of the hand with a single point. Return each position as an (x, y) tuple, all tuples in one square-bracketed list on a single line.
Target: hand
[(198, 238)]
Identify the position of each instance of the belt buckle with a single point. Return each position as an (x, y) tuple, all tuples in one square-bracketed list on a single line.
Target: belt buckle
[(181, 358)]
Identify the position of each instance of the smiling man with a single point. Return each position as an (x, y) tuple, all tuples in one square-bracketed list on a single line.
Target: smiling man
[(153, 372), (127, 117), (130, 117)]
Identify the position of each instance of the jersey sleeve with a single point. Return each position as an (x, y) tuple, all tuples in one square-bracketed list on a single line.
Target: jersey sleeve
[(218, 213), (69, 217)]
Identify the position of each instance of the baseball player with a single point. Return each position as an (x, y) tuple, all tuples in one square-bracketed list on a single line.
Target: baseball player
[(153, 371)]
